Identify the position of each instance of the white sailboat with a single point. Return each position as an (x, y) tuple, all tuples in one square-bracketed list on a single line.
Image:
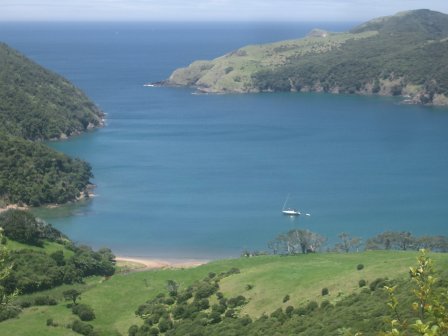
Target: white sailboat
[(291, 211)]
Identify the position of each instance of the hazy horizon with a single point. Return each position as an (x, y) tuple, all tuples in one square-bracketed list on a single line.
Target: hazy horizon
[(207, 10)]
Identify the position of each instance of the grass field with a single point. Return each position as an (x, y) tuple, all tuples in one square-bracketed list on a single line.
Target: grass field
[(48, 247), (302, 277)]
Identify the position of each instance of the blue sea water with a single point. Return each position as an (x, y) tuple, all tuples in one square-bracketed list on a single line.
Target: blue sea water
[(205, 176)]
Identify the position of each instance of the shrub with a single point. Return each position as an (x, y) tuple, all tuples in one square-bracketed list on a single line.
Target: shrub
[(286, 298), (133, 330), (205, 290), (377, 283), (85, 312), (165, 325), (82, 328), (359, 267), (169, 301), (289, 311), (311, 306), (325, 304), (215, 317), (325, 291), (230, 313), (153, 331), (8, 312), (300, 311), (249, 287), (211, 275), (25, 303), (184, 297), (49, 322), (362, 283), (45, 301), (236, 301), (279, 315), (219, 308), (179, 311), (202, 304), (365, 290)]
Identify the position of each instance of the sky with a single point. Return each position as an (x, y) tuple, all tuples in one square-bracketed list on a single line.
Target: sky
[(208, 10)]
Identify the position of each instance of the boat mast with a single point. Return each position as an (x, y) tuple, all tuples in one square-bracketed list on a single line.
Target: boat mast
[(284, 204)]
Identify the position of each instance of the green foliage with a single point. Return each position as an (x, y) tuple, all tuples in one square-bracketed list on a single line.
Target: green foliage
[(7, 308), (83, 328), (297, 241), (84, 311), (72, 294), (430, 305), (37, 104), (325, 291), (402, 54), (23, 227), (360, 267), (35, 174), (237, 301), (286, 298), (45, 300), (391, 240), (362, 283), (32, 270)]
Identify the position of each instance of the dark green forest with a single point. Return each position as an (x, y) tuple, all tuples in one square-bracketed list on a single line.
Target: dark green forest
[(35, 105), (34, 174), (409, 49)]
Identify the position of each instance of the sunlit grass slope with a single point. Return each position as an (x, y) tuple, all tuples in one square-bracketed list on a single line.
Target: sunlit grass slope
[(272, 277)]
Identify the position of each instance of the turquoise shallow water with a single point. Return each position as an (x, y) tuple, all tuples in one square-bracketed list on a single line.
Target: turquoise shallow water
[(205, 176)]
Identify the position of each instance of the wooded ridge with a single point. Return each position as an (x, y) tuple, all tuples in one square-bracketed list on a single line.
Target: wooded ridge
[(401, 55)]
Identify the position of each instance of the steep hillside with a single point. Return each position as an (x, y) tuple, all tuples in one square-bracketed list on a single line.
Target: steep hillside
[(34, 174), (404, 54), (37, 104)]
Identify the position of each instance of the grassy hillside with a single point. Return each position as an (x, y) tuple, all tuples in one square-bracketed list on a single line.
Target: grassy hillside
[(36, 104), (397, 55), (302, 277)]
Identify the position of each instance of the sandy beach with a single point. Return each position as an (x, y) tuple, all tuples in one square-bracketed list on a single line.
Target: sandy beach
[(149, 263)]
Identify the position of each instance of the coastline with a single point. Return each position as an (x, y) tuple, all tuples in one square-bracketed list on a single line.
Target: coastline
[(148, 263)]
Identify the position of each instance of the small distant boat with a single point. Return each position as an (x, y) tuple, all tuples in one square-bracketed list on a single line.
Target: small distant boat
[(291, 211), (149, 84)]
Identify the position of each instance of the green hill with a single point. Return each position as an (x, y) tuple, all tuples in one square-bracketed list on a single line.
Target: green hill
[(302, 277), (404, 54), (36, 104)]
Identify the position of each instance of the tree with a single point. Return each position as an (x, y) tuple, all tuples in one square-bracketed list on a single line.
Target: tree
[(348, 242), (5, 271), (72, 295), (21, 226), (430, 306), (296, 241), (392, 240), (172, 287)]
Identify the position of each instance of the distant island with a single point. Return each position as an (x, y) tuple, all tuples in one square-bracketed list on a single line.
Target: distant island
[(38, 105), (401, 55)]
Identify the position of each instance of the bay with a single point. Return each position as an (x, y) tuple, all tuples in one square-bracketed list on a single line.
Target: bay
[(180, 175)]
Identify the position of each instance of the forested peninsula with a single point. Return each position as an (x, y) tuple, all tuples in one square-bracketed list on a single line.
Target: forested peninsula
[(37, 105), (400, 55)]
